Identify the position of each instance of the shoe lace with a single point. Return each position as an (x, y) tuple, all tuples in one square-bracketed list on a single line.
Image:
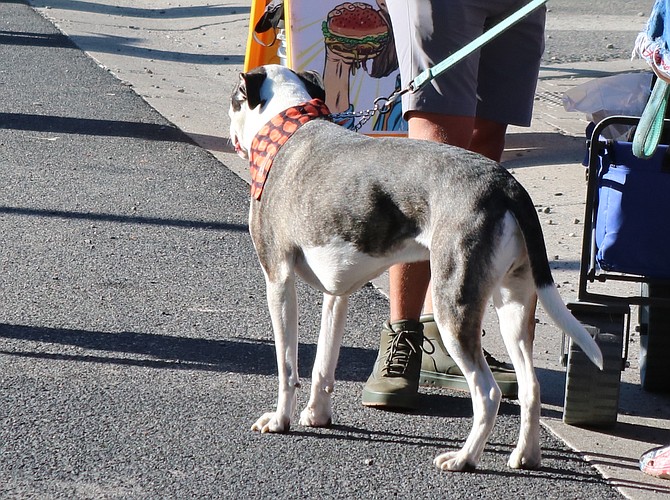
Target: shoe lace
[(431, 346), (399, 352), (491, 361)]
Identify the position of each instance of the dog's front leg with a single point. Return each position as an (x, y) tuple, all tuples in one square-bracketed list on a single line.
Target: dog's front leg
[(318, 412), (282, 301)]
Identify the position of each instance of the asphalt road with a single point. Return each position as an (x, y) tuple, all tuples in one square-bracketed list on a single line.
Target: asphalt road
[(135, 345)]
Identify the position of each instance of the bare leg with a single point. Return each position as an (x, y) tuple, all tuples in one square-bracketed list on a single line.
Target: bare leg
[(409, 282), (488, 138)]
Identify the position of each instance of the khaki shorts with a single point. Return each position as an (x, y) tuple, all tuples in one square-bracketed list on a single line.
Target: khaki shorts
[(496, 82)]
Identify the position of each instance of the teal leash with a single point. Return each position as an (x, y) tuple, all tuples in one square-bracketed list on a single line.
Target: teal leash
[(648, 132)]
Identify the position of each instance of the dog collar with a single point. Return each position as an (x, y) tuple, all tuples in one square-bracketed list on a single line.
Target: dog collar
[(274, 134)]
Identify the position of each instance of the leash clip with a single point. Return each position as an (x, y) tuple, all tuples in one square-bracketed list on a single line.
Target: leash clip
[(383, 104)]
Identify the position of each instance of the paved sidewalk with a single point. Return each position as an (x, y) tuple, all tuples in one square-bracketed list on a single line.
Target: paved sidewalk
[(183, 61)]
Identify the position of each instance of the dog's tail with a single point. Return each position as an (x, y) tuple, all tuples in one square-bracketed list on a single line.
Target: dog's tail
[(529, 222), (553, 303)]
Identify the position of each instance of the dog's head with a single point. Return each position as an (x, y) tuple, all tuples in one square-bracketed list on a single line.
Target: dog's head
[(263, 93)]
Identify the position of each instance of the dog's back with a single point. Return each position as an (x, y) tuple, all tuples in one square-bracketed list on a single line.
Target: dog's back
[(377, 192)]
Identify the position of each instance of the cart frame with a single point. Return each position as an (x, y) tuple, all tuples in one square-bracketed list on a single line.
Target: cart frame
[(591, 396)]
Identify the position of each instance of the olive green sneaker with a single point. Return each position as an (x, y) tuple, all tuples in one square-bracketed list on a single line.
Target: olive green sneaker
[(394, 382), (438, 369)]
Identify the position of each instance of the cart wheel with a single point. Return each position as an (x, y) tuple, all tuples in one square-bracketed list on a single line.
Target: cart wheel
[(591, 395), (654, 341)]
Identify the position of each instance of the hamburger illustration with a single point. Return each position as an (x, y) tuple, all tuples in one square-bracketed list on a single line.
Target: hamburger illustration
[(355, 30)]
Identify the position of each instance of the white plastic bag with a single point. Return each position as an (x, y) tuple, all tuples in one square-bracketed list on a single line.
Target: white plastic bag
[(624, 94)]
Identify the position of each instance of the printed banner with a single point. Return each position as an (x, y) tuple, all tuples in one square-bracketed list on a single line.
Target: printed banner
[(351, 45)]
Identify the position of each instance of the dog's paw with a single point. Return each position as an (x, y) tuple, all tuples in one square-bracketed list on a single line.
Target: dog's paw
[(271, 422), (522, 460), (454, 461), (310, 417)]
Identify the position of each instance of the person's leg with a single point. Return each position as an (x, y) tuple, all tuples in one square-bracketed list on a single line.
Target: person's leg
[(408, 283), (488, 138), (436, 127), (424, 31), (394, 381), (485, 137)]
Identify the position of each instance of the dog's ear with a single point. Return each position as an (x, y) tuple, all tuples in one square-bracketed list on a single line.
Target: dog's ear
[(313, 84), (251, 87)]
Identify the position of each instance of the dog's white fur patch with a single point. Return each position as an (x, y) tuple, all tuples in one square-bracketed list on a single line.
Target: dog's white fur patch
[(340, 269)]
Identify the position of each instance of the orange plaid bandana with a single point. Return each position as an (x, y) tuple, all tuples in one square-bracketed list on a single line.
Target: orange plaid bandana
[(274, 134)]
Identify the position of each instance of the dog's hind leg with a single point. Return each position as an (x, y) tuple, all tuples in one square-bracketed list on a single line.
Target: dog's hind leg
[(282, 302), (318, 412), (459, 313), (514, 305)]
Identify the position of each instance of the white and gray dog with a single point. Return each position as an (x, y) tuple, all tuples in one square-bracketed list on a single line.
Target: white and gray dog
[(338, 208)]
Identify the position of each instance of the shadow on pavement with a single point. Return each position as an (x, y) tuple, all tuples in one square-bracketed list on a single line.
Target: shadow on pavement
[(121, 45), (543, 149), (95, 127), (247, 356), (35, 39), (562, 72), (125, 219), (159, 13)]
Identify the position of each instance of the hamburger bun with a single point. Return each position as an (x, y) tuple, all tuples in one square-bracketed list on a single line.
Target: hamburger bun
[(355, 30)]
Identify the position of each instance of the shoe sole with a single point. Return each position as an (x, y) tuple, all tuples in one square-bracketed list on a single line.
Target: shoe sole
[(390, 401), (510, 389)]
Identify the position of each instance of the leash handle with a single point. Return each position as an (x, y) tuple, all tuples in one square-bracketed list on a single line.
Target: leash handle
[(427, 75), (648, 132)]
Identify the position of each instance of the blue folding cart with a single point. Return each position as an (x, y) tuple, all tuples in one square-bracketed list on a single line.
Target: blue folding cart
[(627, 240)]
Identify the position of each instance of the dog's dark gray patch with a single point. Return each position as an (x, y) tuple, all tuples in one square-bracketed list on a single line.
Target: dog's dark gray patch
[(238, 97), (375, 225)]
